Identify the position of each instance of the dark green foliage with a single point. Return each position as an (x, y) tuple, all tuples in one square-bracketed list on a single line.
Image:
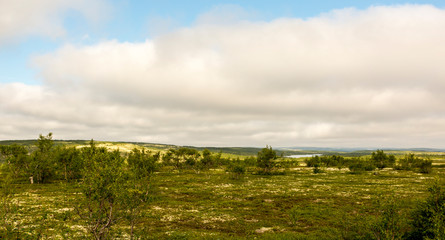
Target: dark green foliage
[(266, 159), (429, 217), (390, 223), (13, 151), (250, 161), (294, 214), (114, 190), (358, 165), (42, 161), (70, 162), (102, 188), (313, 161), (136, 195), (425, 166), (45, 143), (207, 160), (16, 158), (189, 155), (412, 162), (381, 160), (326, 161), (237, 169), (142, 163), (169, 158), (317, 169), (408, 162), (181, 157)]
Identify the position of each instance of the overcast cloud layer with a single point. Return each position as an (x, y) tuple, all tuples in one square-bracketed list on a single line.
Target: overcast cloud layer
[(348, 78)]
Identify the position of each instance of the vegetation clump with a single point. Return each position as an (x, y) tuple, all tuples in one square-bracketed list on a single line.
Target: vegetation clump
[(381, 160), (358, 165), (326, 161), (266, 160), (412, 162), (237, 169), (429, 216)]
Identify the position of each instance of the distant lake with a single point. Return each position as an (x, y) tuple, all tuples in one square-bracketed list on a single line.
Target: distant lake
[(303, 155)]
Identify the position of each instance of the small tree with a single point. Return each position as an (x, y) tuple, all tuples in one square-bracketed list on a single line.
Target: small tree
[(265, 159), (425, 166), (411, 162), (42, 166), (102, 186), (70, 162), (237, 169), (16, 158), (429, 218), (207, 160), (313, 161), (381, 160), (143, 163), (113, 190), (358, 165), (189, 156), (407, 162), (390, 223), (136, 195), (45, 143)]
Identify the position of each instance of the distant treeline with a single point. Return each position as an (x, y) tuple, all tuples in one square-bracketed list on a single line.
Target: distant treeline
[(378, 160)]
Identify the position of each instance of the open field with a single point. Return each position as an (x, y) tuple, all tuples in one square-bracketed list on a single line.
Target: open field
[(155, 191), (212, 205)]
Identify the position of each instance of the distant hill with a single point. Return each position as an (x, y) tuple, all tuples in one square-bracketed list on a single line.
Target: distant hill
[(362, 149), (127, 146), (243, 151)]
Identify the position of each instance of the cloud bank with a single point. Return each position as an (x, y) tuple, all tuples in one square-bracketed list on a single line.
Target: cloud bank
[(349, 77), (21, 18)]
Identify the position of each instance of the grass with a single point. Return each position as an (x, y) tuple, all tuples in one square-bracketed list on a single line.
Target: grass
[(211, 205)]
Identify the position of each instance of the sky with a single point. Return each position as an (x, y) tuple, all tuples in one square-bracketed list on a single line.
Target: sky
[(225, 73)]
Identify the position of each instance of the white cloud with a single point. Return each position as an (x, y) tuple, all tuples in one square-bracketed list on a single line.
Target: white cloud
[(345, 78), (20, 18)]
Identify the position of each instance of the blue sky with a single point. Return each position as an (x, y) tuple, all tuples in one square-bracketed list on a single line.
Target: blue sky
[(221, 73)]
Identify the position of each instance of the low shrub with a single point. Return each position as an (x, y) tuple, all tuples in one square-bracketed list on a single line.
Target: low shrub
[(429, 217), (357, 166), (237, 170), (411, 162)]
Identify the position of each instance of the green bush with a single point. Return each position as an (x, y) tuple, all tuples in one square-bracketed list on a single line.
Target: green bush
[(425, 166), (313, 161), (294, 215), (381, 160), (266, 160), (237, 170), (357, 166), (411, 162), (429, 217), (389, 224), (317, 169), (326, 161)]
